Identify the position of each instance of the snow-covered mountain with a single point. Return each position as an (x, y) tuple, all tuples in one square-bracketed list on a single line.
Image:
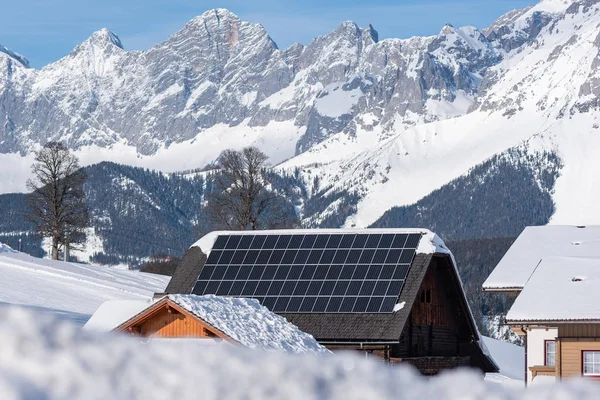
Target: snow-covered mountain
[(386, 120), (221, 70)]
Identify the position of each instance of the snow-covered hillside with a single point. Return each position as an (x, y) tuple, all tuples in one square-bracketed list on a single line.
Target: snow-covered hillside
[(542, 97), (43, 359), (389, 120), (72, 291)]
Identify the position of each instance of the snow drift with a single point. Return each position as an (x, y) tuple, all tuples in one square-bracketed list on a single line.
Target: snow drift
[(41, 358)]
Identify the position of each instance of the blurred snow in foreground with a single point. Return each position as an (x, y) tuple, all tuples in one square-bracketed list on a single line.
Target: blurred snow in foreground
[(42, 358)]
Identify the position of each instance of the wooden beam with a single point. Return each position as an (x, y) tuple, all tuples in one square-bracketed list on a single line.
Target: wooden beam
[(171, 310), (134, 330)]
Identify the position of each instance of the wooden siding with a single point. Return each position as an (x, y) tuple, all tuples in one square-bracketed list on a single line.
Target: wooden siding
[(431, 305), (165, 324), (432, 328), (167, 320), (579, 331), (569, 353)]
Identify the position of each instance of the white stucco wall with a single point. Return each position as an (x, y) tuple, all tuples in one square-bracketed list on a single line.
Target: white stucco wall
[(535, 346)]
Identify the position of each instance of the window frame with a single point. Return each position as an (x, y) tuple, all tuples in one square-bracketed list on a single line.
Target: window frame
[(546, 352), (597, 375)]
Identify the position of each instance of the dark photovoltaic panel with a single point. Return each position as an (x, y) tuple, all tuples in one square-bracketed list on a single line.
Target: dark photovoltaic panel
[(310, 272)]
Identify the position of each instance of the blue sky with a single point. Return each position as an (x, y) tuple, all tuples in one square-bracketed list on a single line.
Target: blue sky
[(43, 31)]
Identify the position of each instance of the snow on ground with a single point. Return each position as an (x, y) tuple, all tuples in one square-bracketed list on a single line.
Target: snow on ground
[(43, 359), (335, 101), (71, 290)]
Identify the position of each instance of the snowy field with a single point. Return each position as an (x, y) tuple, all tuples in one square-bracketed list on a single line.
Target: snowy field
[(42, 358), (68, 290)]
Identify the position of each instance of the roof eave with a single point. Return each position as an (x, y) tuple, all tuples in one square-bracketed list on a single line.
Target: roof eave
[(551, 321), (500, 289)]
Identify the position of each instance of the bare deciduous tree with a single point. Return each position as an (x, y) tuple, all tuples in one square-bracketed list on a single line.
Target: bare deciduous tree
[(242, 199), (57, 200)]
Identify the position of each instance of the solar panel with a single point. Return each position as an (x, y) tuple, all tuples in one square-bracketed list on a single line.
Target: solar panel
[(311, 273)]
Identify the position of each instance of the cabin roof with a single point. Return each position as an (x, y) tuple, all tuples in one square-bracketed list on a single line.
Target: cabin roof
[(113, 313), (367, 327), (385, 326), (538, 242), (561, 289), (244, 321), (429, 244), (249, 323)]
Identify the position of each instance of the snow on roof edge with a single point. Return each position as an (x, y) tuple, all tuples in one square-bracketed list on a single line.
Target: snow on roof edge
[(114, 313), (4, 248), (560, 290), (572, 234), (430, 242)]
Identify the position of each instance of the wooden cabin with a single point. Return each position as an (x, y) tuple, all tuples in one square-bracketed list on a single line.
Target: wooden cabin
[(204, 318), (393, 294), (167, 319)]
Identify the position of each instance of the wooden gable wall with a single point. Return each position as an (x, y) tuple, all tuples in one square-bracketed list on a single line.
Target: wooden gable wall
[(437, 325), (165, 324), (167, 320)]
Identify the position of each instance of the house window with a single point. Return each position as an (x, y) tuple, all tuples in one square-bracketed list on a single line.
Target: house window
[(591, 363), (550, 355), (426, 296)]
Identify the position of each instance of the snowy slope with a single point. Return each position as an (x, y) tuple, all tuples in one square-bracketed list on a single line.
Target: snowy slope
[(542, 96), (41, 359), (74, 290)]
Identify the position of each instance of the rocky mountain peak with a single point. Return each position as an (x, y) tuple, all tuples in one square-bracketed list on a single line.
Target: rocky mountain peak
[(104, 38), (371, 33), (447, 29), (15, 56), (101, 44), (224, 28), (217, 14)]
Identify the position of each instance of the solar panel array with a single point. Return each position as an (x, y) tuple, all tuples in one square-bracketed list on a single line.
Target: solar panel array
[(311, 273)]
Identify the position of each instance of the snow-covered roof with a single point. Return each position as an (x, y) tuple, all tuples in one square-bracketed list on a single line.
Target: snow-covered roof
[(509, 357), (249, 323), (430, 242), (4, 248), (113, 313), (245, 321), (560, 289), (537, 242)]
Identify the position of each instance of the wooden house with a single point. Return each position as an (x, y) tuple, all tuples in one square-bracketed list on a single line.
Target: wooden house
[(220, 320), (393, 294), (555, 273)]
